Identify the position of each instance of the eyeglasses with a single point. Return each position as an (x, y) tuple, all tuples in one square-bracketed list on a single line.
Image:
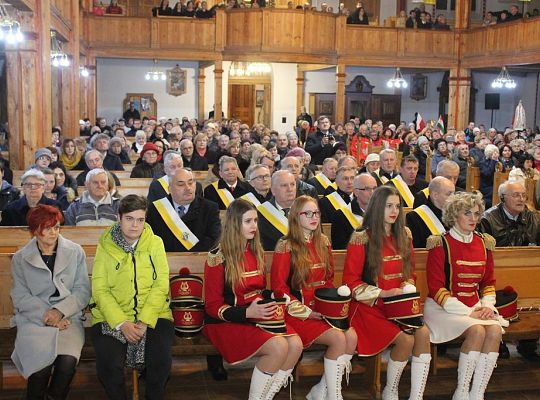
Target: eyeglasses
[(33, 185), (261, 177), (522, 196), (367, 189), (311, 214)]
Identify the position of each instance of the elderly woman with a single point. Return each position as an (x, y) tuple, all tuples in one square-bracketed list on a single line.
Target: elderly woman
[(50, 291), (116, 148), (149, 166), (140, 140), (461, 300), (131, 318), (33, 187), (487, 170)]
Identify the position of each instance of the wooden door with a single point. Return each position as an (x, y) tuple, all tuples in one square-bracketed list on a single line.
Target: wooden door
[(386, 108), (242, 103)]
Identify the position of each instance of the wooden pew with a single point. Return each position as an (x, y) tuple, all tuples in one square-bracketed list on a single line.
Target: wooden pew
[(498, 178), (473, 179)]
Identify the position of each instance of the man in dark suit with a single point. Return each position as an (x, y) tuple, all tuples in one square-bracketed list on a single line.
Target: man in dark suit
[(407, 182), (387, 169), (292, 164), (446, 168), (229, 187), (320, 144), (325, 179), (111, 162), (259, 179), (94, 159)]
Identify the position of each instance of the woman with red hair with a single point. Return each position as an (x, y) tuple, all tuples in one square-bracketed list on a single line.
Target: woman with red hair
[(50, 291)]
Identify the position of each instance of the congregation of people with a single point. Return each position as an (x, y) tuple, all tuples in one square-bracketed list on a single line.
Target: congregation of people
[(274, 190)]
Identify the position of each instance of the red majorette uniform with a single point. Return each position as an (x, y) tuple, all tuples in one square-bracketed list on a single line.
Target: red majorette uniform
[(303, 300), (366, 315), (226, 325), (458, 267), (359, 150)]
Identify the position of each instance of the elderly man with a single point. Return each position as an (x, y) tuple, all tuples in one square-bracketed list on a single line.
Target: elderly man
[(407, 183), (294, 166), (320, 144), (111, 162), (511, 223), (387, 169), (96, 206), (426, 219), (324, 180), (282, 145), (94, 159), (191, 158), (33, 186), (228, 187), (462, 158), (447, 168), (259, 178), (342, 209), (273, 223)]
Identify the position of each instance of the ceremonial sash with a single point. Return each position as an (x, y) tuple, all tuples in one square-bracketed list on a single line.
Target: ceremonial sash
[(252, 199), (274, 216), (430, 219), (382, 178), (324, 181), (225, 196), (403, 190), (175, 224), (426, 192), (339, 204), (164, 184)]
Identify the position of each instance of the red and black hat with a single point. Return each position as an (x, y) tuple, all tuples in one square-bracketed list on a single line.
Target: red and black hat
[(276, 324), (333, 304), (185, 286), (404, 309), (188, 317), (506, 303)]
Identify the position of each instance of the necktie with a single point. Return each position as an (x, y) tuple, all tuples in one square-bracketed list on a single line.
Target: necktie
[(181, 211), (231, 189), (286, 211)]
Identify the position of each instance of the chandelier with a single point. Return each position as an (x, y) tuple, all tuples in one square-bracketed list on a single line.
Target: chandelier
[(503, 80), (85, 73), (154, 74), (10, 29), (240, 69), (58, 57), (397, 80)]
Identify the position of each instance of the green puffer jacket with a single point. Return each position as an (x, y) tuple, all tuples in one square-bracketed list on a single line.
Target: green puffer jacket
[(126, 288)]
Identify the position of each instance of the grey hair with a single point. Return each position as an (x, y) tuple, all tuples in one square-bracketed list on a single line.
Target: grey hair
[(489, 150), (386, 151), (252, 169), (97, 137), (32, 173), (226, 159), (140, 133), (446, 164), (90, 152), (501, 191), (94, 172), (171, 155), (276, 175)]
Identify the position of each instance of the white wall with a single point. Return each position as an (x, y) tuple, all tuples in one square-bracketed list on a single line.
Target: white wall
[(283, 96), (117, 77)]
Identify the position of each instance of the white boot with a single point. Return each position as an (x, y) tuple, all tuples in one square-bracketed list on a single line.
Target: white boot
[(419, 375), (393, 375), (318, 392), (345, 360), (281, 379), (466, 365), (260, 385), (482, 373), (333, 374)]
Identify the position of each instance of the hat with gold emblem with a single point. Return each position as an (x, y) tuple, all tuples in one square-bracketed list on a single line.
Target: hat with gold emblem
[(506, 303), (276, 324), (186, 286), (333, 304), (405, 309), (188, 317)]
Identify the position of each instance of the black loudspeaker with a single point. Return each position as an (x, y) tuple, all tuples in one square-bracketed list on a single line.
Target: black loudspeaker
[(492, 101)]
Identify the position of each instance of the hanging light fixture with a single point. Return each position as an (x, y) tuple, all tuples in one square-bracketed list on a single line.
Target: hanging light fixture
[(85, 73), (58, 57), (154, 74), (503, 80), (397, 80), (240, 68), (10, 29)]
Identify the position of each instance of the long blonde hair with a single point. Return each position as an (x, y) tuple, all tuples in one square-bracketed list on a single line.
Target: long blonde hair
[(300, 258), (232, 245)]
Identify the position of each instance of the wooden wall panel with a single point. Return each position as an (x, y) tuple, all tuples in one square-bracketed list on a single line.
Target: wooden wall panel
[(118, 32), (244, 30), (319, 32), (182, 33), (289, 24), (371, 40)]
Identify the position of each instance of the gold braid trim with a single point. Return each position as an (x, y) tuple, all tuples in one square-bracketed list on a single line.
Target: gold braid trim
[(359, 237), (283, 246), (489, 241), (215, 257), (433, 241), (408, 233), (298, 310), (325, 240)]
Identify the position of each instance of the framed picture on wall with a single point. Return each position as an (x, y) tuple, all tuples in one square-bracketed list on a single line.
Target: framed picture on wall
[(419, 87), (259, 98), (176, 81), (144, 103)]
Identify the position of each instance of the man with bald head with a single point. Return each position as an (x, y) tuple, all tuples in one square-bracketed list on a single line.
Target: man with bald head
[(324, 180), (426, 220), (446, 168)]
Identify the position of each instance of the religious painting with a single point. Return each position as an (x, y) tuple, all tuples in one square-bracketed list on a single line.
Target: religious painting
[(419, 87), (144, 103), (176, 81), (259, 98), (326, 107)]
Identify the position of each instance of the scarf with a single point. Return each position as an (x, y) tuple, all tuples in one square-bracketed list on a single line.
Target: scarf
[(71, 163)]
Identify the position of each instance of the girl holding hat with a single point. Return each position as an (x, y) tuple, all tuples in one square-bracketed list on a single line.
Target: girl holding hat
[(302, 263), (380, 264), (234, 280)]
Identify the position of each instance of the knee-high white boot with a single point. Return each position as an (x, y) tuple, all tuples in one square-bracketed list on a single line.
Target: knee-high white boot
[(482, 374), (466, 365), (333, 374), (393, 375), (260, 385), (318, 392), (419, 375), (345, 360), (281, 379)]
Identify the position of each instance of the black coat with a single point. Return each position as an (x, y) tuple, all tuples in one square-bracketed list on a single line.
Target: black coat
[(112, 163), (418, 227), (210, 192), (319, 188), (145, 170), (15, 212), (197, 162), (202, 218), (8, 194), (315, 147), (269, 234), (156, 191)]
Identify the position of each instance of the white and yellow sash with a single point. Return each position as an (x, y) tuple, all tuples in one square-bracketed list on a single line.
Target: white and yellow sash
[(164, 181), (403, 190), (225, 196), (430, 219), (324, 181), (382, 178), (426, 192), (274, 216), (339, 204), (175, 224), (252, 199)]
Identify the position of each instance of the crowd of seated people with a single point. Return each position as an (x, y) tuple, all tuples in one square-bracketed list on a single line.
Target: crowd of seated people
[(512, 14)]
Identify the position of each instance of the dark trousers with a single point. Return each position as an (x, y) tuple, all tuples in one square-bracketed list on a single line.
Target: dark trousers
[(111, 357), (63, 370)]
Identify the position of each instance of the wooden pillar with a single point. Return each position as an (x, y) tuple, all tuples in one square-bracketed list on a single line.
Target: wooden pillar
[(459, 86), (200, 105), (71, 78), (340, 93), (218, 89), (300, 98), (29, 89), (462, 14), (91, 91)]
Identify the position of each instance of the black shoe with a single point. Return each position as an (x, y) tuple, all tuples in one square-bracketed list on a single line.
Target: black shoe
[(527, 349), (216, 368), (504, 353), (441, 349)]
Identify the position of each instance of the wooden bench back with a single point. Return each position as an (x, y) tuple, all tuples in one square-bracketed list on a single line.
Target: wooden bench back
[(473, 179), (498, 178)]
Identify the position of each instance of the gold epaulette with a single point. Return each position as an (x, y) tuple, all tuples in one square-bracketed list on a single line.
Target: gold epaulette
[(359, 237), (283, 246), (325, 240), (433, 241), (408, 233), (215, 257), (489, 241)]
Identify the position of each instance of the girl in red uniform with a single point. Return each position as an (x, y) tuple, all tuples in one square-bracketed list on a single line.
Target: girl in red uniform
[(380, 263), (302, 263), (459, 267), (234, 278)]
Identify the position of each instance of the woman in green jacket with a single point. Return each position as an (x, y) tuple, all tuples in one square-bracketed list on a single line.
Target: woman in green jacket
[(132, 321)]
